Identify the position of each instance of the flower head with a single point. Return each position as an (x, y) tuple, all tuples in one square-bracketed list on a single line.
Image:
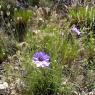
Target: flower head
[(74, 29), (41, 59)]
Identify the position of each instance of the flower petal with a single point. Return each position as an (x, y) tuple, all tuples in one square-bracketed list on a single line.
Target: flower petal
[(41, 63)]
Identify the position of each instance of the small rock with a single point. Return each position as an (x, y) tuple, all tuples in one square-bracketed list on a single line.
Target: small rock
[(3, 87)]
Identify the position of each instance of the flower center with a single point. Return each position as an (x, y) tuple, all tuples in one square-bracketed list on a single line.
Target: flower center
[(40, 58)]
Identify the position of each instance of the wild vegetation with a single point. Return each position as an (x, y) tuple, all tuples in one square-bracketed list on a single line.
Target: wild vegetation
[(47, 47)]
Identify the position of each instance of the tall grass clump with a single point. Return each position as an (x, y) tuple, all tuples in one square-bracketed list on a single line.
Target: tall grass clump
[(7, 47), (2, 51), (22, 18), (84, 16)]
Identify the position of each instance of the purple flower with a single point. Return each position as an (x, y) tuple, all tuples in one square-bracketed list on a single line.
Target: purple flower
[(41, 59), (74, 29)]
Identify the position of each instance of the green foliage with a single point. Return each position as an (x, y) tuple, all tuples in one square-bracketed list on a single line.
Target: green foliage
[(22, 18), (7, 47), (25, 15), (3, 47), (67, 89), (89, 45), (2, 54), (42, 81), (83, 15)]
